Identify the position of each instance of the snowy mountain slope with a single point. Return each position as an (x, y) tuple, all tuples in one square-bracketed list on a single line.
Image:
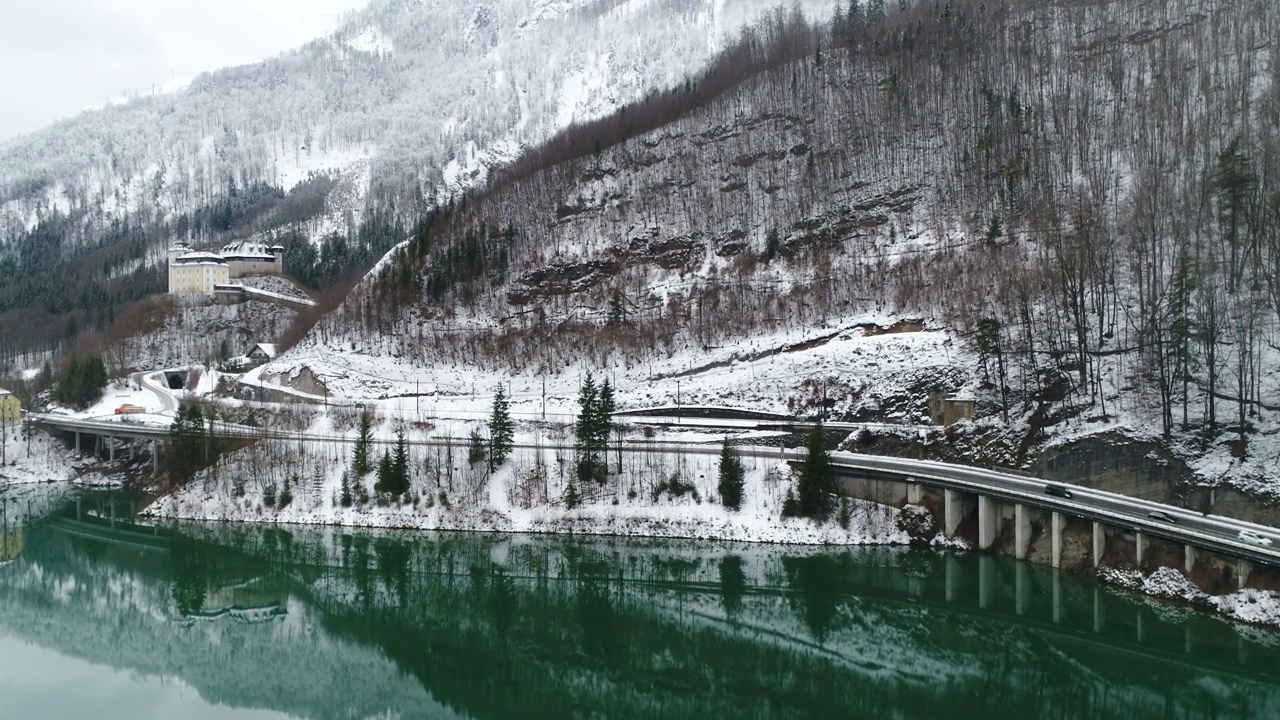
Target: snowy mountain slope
[(1051, 183), (336, 147), (410, 86)]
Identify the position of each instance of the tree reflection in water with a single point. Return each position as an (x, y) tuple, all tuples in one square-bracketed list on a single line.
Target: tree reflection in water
[(556, 628)]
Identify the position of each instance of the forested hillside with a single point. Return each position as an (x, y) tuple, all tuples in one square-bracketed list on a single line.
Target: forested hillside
[(335, 149), (1083, 192)]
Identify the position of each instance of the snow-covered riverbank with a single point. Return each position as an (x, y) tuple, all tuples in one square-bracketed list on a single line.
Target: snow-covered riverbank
[(655, 495), (38, 458), (1247, 605)]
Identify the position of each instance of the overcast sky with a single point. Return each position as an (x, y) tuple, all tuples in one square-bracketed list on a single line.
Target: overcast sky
[(58, 57)]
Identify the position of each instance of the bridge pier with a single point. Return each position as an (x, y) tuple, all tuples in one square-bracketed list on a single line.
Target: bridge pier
[(1140, 542), (1099, 542), (951, 511), (77, 443), (1099, 611), (1056, 526), (1022, 531), (915, 492), (987, 522), (1189, 558), (111, 448), (1243, 569), (953, 577)]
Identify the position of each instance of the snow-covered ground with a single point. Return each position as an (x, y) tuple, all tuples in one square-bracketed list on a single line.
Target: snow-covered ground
[(37, 458), (853, 364), (524, 495), (121, 393), (786, 372), (1248, 605)]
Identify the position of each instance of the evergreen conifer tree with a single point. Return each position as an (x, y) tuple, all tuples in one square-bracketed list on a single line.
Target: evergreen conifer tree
[(361, 463), (587, 430), (186, 442), (501, 432), (286, 493), (571, 497), (817, 483), (603, 423), (400, 466), (386, 480), (83, 382), (345, 498), (731, 477)]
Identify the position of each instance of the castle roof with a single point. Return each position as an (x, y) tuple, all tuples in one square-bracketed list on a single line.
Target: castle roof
[(249, 250), (199, 258)]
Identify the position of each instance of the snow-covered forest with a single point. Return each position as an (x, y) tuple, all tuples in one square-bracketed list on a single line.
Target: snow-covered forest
[(336, 147), (1084, 192)]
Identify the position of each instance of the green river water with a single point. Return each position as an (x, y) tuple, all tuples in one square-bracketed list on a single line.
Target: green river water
[(236, 621)]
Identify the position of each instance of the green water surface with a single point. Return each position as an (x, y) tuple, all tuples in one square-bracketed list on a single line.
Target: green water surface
[(237, 621)]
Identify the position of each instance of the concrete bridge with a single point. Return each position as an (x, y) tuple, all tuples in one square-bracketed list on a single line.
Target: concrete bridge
[(999, 498)]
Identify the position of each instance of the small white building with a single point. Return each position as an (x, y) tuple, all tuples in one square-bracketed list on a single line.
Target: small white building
[(10, 407), (195, 273), (262, 352)]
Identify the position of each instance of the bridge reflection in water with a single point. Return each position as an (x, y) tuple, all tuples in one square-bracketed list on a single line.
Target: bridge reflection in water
[(324, 623)]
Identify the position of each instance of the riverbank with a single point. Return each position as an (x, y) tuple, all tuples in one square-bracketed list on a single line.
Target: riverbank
[(34, 458), (1247, 605), (658, 494)]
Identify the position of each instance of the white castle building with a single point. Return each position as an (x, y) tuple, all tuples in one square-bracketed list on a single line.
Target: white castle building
[(198, 273)]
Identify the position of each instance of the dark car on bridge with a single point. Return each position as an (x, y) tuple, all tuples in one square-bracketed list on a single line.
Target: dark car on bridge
[(1058, 491)]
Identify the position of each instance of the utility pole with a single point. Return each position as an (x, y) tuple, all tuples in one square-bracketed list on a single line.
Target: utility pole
[(678, 413), (544, 397)]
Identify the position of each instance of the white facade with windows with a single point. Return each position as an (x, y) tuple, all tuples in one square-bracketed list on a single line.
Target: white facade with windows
[(196, 273)]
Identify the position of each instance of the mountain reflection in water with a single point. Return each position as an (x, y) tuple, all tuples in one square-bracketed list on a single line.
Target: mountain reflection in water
[(329, 623)]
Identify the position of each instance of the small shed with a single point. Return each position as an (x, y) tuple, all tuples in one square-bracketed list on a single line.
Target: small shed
[(955, 409), (10, 406), (262, 352), (947, 409)]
